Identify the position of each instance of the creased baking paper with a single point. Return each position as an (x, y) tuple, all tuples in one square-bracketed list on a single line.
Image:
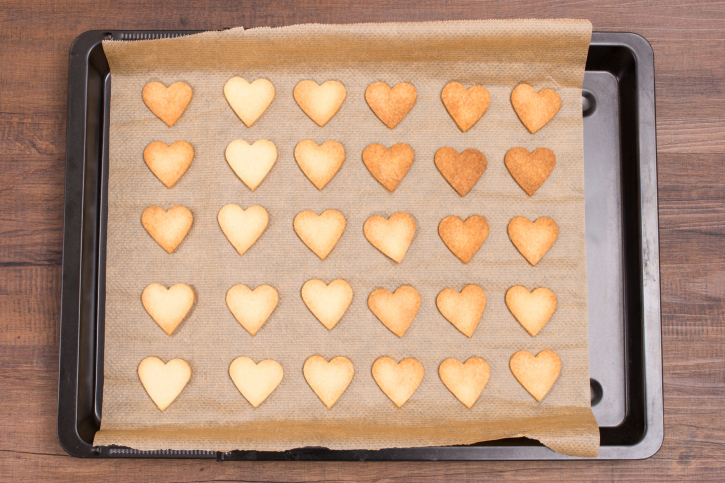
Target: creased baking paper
[(210, 414)]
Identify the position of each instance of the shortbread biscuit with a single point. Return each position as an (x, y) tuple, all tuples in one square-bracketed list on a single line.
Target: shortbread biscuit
[(463, 170), (465, 381), (533, 240), (327, 302), (168, 103), (395, 310), (255, 381), (392, 236), (398, 380), (251, 163), (320, 102), (463, 238), (320, 232), (328, 379), (163, 382), (536, 374), (535, 109), (391, 105), (168, 163), (242, 227), (168, 307), (466, 106), (463, 310), (530, 170), (388, 166), (168, 228), (319, 163), (532, 309), (252, 308), (249, 101)]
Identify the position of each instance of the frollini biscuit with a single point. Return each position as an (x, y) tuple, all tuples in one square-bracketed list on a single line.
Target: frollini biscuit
[(395, 310), (536, 374), (391, 105), (251, 163), (168, 103), (320, 232), (532, 309), (530, 170), (255, 381), (168, 163), (168, 307), (330, 379), (320, 102), (398, 380), (533, 240), (392, 236), (466, 106), (535, 109), (249, 101), (319, 163), (465, 381), (388, 166), (242, 227), (327, 302), (168, 228), (463, 238), (463, 170), (163, 382), (464, 309), (252, 308)]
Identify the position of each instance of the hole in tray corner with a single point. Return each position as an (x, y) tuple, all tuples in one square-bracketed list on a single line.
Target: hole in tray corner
[(589, 103), (596, 391), (108, 36)]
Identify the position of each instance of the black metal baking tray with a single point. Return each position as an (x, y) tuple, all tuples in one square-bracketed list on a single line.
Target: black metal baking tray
[(625, 352)]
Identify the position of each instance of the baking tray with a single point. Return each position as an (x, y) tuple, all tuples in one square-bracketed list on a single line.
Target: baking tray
[(625, 353)]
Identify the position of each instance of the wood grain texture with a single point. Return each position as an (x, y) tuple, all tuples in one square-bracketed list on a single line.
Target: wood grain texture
[(689, 44)]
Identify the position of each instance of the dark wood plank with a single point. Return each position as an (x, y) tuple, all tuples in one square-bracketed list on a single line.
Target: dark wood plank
[(689, 42)]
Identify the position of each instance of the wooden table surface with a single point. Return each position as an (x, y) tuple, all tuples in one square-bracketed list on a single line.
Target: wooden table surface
[(689, 44)]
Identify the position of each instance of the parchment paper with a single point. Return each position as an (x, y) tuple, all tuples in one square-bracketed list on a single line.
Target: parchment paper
[(210, 414)]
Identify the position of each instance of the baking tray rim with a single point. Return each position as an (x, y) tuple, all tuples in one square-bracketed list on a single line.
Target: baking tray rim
[(67, 430)]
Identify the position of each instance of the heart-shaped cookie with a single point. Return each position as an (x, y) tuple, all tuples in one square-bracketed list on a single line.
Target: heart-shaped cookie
[(320, 102), (388, 166), (255, 381), (328, 379), (391, 105), (462, 170), (168, 163), (168, 228), (242, 227), (463, 238), (530, 170), (168, 307), (319, 163), (392, 236), (163, 382), (533, 240), (252, 308), (463, 310), (532, 309), (249, 101), (327, 302), (465, 381), (466, 106), (535, 109), (536, 374), (251, 163), (398, 380), (320, 232), (395, 310), (168, 103)]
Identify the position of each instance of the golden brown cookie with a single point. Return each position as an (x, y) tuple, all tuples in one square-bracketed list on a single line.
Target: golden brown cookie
[(168, 163), (249, 101), (168, 228), (320, 102), (533, 240), (391, 105), (168, 103), (242, 227), (329, 380), (465, 381), (252, 308), (396, 311), (466, 106), (255, 381), (388, 166), (319, 163), (251, 163), (530, 170), (163, 382), (398, 380), (392, 236), (320, 232), (535, 109), (536, 374), (463, 310), (462, 170), (463, 238), (168, 307), (327, 302), (532, 309)]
